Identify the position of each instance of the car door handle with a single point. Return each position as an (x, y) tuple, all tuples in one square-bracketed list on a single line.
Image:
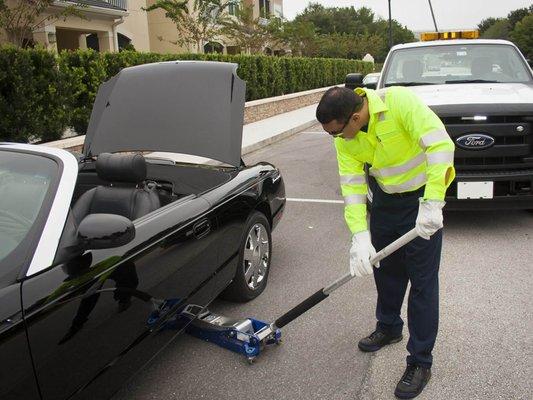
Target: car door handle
[(201, 229)]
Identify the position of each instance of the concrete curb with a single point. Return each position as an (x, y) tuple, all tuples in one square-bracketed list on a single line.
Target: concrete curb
[(78, 140), (276, 138), (270, 130), (255, 135)]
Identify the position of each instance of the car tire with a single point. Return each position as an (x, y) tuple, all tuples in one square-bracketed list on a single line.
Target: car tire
[(254, 261)]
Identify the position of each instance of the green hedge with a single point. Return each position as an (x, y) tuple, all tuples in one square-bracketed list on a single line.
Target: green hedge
[(34, 99), (42, 93)]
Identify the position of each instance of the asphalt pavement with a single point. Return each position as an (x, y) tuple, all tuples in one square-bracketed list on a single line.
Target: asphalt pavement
[(484, 347)]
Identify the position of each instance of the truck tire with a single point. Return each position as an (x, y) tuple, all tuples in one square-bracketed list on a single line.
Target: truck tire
[(253, 266)]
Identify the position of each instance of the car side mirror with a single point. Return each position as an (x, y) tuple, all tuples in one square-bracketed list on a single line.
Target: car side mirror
[(105, 231), (353, 80), (371, 85)]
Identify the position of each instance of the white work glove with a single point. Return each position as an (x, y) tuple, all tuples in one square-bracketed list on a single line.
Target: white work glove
[(360, 254), (429, 219)]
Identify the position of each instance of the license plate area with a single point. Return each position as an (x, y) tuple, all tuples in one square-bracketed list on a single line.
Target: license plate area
[(475, 190)]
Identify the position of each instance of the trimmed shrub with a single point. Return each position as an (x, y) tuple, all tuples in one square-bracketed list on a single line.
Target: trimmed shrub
[(34, 98), (41, 93), (86, 70)]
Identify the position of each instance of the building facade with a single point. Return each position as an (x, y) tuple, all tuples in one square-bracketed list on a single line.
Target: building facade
[(99, 20), (162, 31), (110, 25)]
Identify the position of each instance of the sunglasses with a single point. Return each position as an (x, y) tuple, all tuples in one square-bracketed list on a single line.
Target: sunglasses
[(340, 131)]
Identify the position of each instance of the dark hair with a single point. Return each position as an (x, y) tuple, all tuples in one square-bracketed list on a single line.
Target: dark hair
[(337, 103)]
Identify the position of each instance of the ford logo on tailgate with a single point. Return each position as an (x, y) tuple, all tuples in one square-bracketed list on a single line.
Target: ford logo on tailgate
[(475, 141)]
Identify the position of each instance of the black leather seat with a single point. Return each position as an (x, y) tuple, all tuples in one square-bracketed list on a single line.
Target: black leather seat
[(130, 201)]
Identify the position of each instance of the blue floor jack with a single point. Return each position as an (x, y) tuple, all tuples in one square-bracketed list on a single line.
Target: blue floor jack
[(250, 336), (240, 336)]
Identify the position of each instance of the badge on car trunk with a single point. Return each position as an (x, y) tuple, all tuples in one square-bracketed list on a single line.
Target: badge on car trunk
[(475, 141)]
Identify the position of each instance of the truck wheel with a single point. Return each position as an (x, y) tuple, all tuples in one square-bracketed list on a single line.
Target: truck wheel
[(254, 261)]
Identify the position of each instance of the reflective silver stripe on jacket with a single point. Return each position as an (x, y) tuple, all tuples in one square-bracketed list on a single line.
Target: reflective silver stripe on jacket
[(352, 179), (411, 184), (355, 199), (399, 169), (433, 137), (381, 93), (440, 157)]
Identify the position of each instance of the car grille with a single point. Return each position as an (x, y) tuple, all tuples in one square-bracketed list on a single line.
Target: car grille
[(512, 149)]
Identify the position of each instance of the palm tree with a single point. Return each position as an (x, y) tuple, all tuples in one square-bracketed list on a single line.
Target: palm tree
[(198, 25), (174, 9), (247, 32)]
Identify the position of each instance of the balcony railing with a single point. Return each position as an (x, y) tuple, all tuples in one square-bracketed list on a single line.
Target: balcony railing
[(123, 4), (118, 3)]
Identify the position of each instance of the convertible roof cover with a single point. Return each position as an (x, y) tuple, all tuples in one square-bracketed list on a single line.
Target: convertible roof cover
[(190, 107)]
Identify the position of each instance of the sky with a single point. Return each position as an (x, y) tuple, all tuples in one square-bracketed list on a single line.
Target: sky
[(416, 15)]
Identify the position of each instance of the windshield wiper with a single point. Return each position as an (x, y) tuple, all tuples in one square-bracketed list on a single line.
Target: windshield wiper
[(471, 81), (409, 84)]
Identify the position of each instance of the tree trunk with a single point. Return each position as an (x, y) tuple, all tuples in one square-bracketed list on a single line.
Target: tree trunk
[(15, 37)]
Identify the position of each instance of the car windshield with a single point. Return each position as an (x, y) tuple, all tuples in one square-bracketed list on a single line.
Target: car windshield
[(24, 182), (449, 64)]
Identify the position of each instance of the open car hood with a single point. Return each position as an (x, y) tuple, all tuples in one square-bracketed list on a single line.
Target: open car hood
[(189, 107)]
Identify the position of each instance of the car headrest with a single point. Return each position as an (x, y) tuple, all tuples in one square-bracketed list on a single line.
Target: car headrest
[(121, 167)]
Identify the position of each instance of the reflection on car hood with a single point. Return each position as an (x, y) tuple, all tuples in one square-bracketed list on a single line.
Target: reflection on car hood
[(475, 93), (190, 107)]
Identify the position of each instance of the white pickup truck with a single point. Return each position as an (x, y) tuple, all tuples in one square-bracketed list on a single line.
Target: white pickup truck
[(483, 92)]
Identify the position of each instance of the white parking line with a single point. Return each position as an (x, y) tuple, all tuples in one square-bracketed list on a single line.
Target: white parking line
[(314, 200)]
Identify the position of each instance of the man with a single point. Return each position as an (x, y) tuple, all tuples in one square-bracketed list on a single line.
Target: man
[(410, 160)]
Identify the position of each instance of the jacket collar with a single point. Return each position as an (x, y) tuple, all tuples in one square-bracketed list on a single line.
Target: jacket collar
[(375, 104)]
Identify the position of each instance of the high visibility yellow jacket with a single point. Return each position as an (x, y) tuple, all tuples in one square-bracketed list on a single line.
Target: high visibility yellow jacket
[(406, 146)]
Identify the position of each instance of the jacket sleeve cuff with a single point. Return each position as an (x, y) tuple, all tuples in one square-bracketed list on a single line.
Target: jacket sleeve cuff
[(433, 192)]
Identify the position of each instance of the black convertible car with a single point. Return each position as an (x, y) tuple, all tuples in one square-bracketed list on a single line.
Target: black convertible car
[(100, 250)]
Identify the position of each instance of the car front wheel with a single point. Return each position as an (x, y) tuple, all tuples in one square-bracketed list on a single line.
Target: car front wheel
[(254, 261)]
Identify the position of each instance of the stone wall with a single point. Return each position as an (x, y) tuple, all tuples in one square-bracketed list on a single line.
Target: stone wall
[(266, 108)]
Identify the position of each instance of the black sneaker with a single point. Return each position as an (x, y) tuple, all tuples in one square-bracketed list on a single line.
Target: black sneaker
[(377, 340), (413, 381)]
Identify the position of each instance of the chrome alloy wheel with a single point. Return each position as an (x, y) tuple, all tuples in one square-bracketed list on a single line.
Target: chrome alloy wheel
[(256, 256)]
